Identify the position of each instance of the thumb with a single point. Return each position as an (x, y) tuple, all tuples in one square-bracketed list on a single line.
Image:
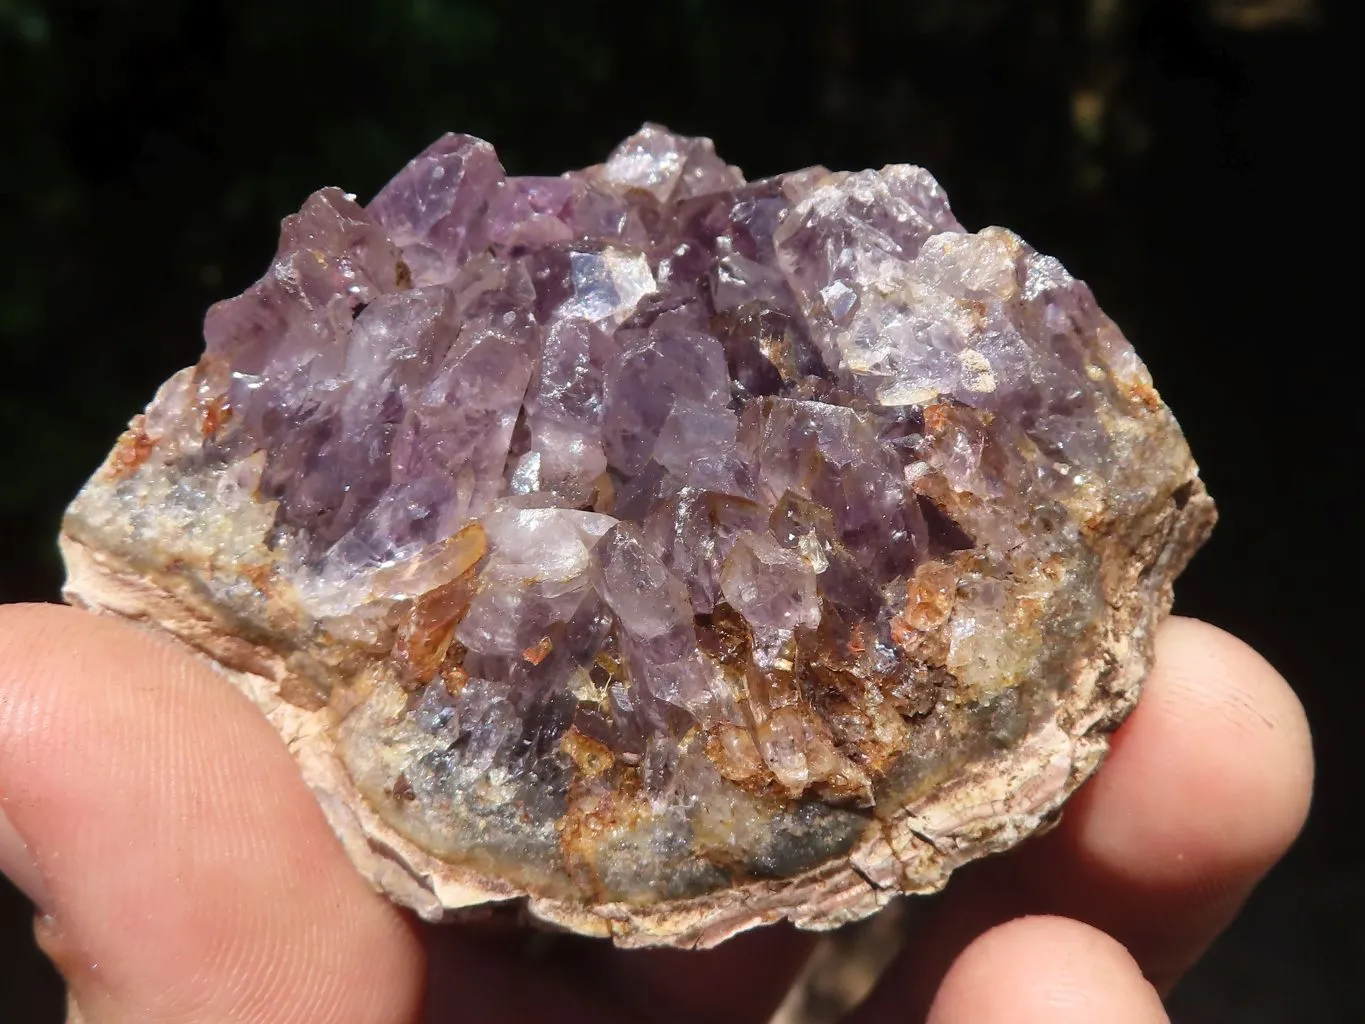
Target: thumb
[(182, 870)]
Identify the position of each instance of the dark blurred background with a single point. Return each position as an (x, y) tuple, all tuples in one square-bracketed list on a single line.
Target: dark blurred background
[(1183, 156)]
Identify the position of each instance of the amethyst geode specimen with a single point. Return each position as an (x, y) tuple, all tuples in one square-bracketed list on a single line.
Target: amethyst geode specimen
[(667, 551)]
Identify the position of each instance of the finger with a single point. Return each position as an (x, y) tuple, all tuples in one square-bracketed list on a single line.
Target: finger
[(184, 871), (1207, 785), (1207, 790), (1045, 970)]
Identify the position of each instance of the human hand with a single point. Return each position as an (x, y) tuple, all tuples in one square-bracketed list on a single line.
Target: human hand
[(184, 873)]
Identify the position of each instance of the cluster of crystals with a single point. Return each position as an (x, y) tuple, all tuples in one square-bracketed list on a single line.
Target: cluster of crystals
[(685, 414)]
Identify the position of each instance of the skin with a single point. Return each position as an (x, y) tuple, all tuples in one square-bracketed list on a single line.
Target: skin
[(183, 873)]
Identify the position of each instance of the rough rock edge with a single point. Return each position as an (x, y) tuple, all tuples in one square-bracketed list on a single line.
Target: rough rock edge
[(913, 850)]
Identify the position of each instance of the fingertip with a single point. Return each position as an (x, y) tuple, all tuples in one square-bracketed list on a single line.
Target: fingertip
[(1210, 779), (1255, 702), (1048, 970), (1206, 786), (191, 874)]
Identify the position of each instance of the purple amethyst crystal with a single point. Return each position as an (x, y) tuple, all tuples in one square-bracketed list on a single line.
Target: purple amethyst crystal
[(673, 551)]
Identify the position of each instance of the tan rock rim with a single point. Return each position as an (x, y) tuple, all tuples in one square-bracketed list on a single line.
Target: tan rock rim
[(914, 849)]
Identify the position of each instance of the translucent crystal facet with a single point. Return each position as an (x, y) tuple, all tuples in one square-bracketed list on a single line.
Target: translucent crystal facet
[(647, 523)]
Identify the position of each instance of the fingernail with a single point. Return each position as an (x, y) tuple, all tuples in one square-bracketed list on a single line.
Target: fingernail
[(17, 863)]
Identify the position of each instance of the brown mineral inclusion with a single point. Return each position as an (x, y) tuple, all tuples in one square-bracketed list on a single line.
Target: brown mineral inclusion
[(654, 551)]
